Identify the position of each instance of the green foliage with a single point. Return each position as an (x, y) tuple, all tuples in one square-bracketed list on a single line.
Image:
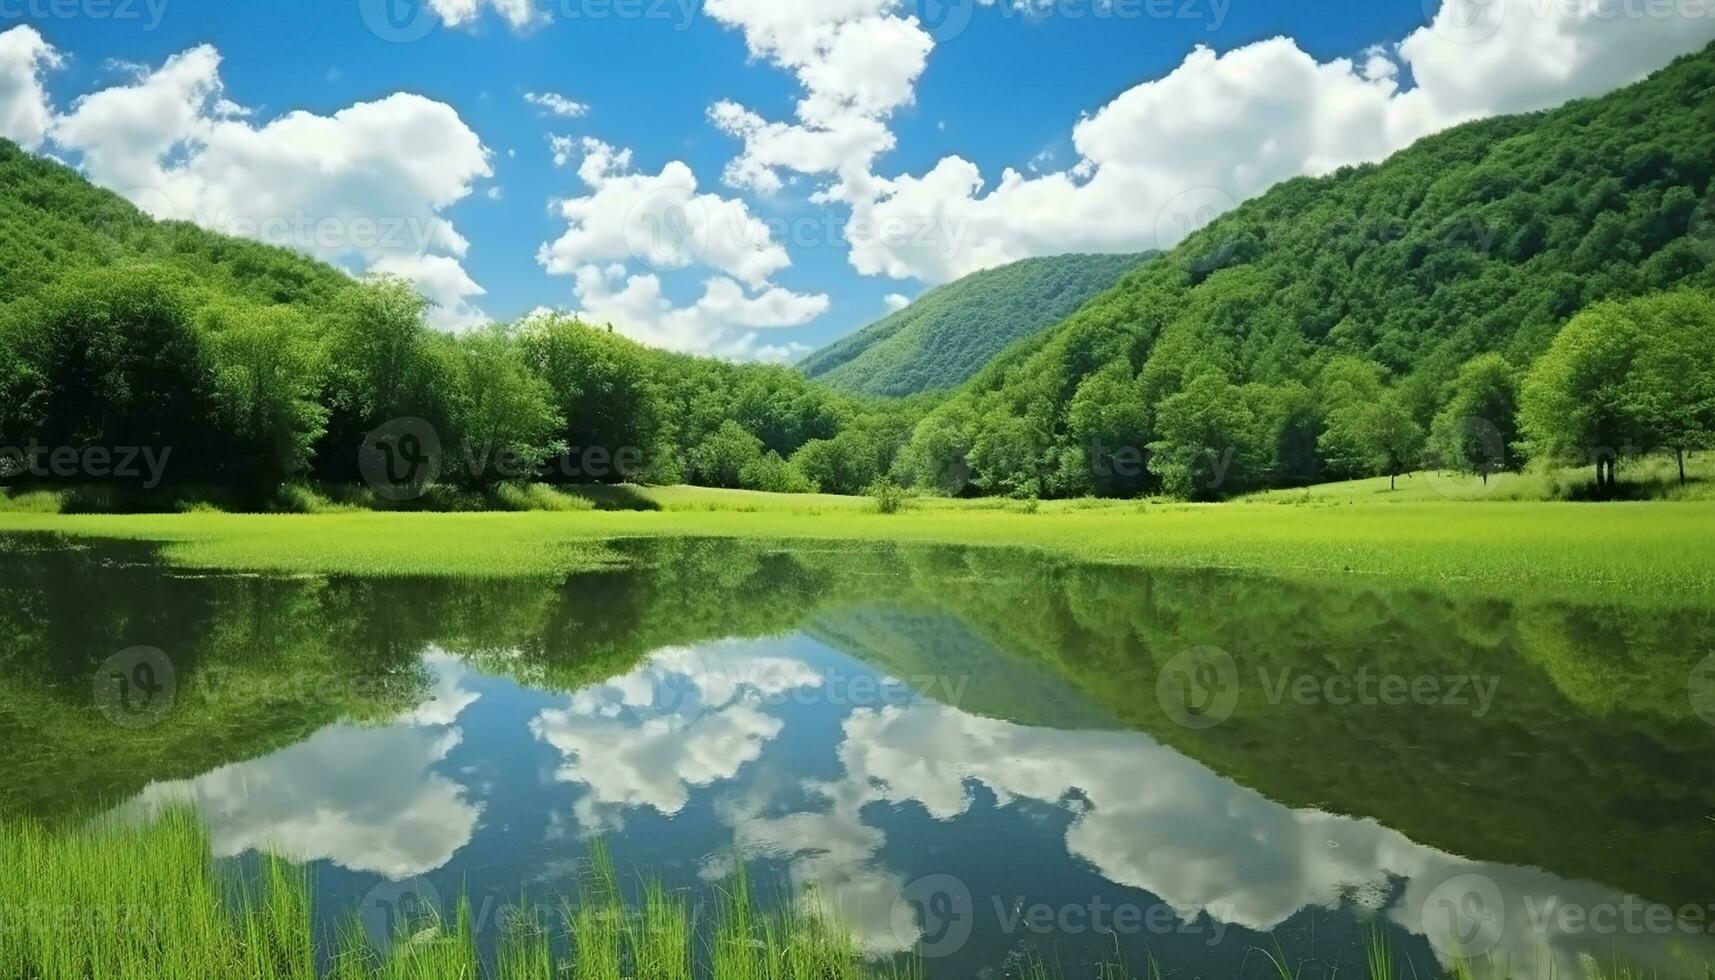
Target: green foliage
[(254, 367), (1484, 239), (722, 459), (949, 333), (1623, 378), (1476, 429)]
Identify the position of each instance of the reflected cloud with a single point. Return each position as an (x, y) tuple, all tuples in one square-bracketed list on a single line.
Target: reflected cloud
[(1148, 817), (685, 719), (366, 798)]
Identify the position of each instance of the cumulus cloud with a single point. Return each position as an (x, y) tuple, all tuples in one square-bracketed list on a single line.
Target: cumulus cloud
[(857, 61), (366, 798), (520, 15), (1171, 153), (25, 114), (1146, 817), (663, 223), (365, 187), (684, 719), (559, 105), (895, 302)]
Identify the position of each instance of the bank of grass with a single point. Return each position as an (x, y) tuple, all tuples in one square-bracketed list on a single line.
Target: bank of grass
[(1632, 552), (113, 900)]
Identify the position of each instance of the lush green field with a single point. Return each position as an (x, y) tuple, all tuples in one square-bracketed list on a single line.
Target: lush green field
[(1655, 552)]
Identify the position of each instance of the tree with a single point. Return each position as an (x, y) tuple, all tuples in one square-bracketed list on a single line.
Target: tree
[(1348, 387), (1373, 438), (1671, 388), (114, 360), (1107, 422), (604, 387), (380, 366), (721, 459), (267, 375), (1205, 446), (848, 463), (506, 425), (1576, 400), (1475, 430), (1394, 438)]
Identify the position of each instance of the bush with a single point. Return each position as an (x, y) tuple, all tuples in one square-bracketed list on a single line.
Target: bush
[(889, 497)]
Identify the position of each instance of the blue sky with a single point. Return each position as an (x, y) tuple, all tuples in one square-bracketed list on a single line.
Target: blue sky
[(999, 88)]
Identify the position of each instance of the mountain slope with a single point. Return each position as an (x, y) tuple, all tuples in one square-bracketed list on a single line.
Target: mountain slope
[(1484, 238), (946, 336), (54, 224)]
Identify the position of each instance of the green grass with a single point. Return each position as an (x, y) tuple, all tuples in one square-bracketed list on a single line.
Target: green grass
[(1654, 478), (118, 900), (1647, 552)]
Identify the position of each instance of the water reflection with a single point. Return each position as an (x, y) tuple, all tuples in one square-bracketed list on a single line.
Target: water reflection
[(908, 714), (364, 797)]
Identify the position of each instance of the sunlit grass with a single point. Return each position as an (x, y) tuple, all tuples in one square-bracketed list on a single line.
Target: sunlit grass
[(1636, 553)]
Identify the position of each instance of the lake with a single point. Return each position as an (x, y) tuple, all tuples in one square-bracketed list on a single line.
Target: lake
[(976, 756)]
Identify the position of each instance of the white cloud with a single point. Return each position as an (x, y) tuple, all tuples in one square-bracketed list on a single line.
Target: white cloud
[(723, 322), (682, 720), (660, 220), (520, 15), (564, 149), (442, 281), (895, 302), (556, 104), (663, 223), (25, 115), (1146, 817), (1169, 154), (857, 61), (365, 187), (366, 798)]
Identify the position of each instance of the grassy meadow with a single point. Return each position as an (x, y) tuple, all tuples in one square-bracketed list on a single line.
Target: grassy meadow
[(1643, 552)]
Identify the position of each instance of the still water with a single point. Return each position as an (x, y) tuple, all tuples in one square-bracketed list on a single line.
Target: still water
[(973, 757)]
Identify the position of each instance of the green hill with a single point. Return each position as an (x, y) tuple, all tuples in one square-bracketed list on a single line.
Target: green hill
[(1485, 238), (55, 226), (947, 335)]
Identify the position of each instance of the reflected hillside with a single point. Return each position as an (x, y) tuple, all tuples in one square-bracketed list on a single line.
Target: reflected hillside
[(1585, 759)]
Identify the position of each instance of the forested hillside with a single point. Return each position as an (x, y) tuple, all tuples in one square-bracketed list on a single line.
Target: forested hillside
[(1317, 331), (248, 366), (949, 333), (1534, 288)]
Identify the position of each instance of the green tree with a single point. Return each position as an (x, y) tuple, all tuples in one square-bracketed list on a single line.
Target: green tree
[(1205, 445), (267, 376), (604, 386), (1477, 426), (1578, 399), (721, 459), (1671, 387), (503, 416)]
